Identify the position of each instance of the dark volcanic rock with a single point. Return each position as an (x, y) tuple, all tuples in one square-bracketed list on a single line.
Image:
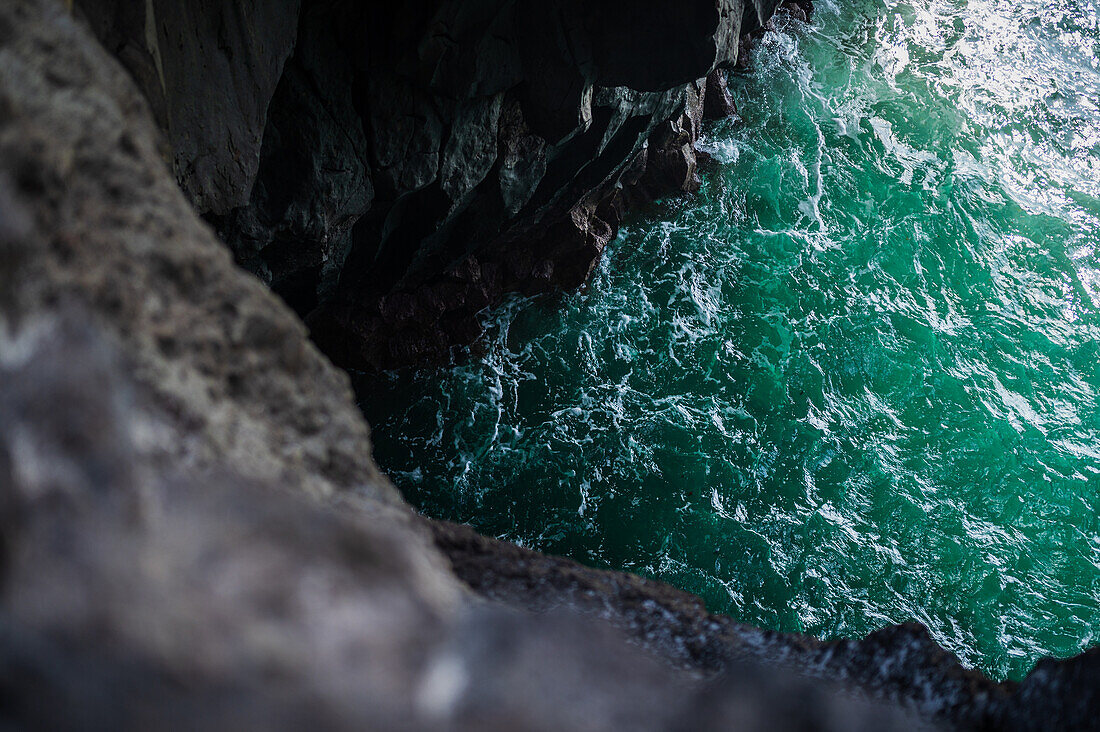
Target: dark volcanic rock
[(718, 103), (314, 181), (897, 666), (1057, 694), (671, 160), (650, 45), (757, 14), (210, 68), (406, 141)]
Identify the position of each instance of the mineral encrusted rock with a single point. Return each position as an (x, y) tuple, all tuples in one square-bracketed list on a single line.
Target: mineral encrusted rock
[(194, 534)]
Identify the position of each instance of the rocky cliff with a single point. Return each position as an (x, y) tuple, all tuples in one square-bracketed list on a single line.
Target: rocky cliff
[(193, 530), (392, 169)]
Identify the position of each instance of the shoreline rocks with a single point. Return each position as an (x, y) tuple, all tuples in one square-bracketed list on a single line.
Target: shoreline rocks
[(392, 171), (194, 533)]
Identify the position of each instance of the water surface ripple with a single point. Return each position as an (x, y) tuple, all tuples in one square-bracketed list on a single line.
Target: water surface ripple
[(855, 380)]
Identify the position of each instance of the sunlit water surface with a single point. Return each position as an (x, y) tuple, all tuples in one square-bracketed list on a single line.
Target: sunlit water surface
[(854, 381)]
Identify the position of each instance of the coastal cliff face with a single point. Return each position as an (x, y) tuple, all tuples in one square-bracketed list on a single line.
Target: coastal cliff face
[(392, 169), (194, 532)]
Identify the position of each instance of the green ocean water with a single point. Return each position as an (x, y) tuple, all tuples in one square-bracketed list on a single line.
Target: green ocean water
[(854, 381)]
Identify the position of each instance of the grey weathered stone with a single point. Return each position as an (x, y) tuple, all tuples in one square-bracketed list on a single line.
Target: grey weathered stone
[(103, 225)]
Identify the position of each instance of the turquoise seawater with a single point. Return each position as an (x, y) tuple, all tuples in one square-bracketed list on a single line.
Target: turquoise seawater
[(854, 381)]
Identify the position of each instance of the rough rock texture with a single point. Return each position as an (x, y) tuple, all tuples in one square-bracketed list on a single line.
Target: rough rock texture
[(421, 159), (193, 535), (718, 103), (135, 599), (209, 68), (897, 666), (107, 229)]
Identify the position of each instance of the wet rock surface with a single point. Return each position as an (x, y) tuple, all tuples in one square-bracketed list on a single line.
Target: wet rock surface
[(194, 534)]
